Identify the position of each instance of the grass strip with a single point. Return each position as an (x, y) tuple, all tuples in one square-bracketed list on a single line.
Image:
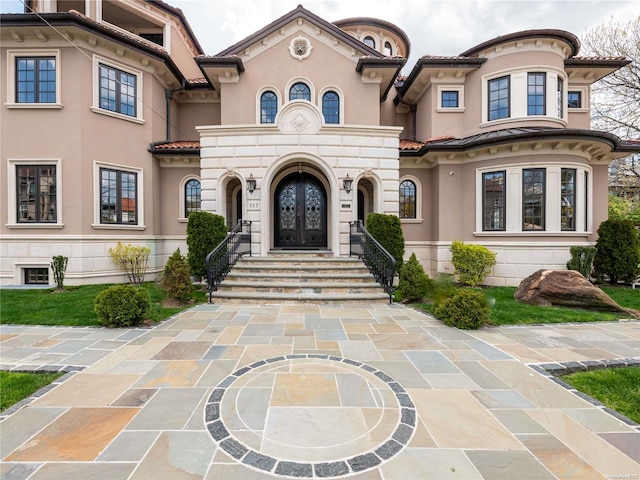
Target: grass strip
[(14, 386)]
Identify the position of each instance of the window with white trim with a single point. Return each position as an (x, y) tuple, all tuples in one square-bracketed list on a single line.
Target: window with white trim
[(536, 93), (117, 90), (568, 199), (533, 198), (410, 199), (33, 78), (499, 98), (300, 91), (268, 107), (192, 196), (331, 107), (118, 197), (493, 200)]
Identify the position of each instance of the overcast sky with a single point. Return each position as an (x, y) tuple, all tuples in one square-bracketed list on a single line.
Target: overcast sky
[(440, 27)]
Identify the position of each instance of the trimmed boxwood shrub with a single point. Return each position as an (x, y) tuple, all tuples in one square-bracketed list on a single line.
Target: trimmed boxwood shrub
[(177, 277), (387, 230), (582, 260), (466, 309), (204, 232), (618, 252), (122, 306), (471, 262), (414, 283)]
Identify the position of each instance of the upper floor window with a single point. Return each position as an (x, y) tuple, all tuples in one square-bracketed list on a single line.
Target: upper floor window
[(493, 200), (388, 50), (300, 91), (369, 41), (567, 199), (499, 98), (449, 99), (533, 198), (35, 80), (118, 197), (408, 196), (574, 99), (192, 194), (560, 94), (36, 194), (331, 107), (536, 94), (118, 91), (268, 107)]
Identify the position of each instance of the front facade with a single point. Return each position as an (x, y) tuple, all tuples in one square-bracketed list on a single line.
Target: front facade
[(116, 125)]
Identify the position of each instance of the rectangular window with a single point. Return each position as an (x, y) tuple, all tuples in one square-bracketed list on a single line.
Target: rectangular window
[(560, 100), (536, 93), (586, 201), (499, 98), (36, 276), (449, 99), (36, 200), (118, 91), (574, 99), (118, 197), (493, 200), (35, 80), (533, 198), (568, 199)]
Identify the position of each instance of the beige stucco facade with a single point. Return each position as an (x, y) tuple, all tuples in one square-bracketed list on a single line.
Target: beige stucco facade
[(89, 159)]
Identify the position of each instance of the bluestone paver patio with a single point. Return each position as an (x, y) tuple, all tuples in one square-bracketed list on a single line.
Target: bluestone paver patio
[(316, 391)]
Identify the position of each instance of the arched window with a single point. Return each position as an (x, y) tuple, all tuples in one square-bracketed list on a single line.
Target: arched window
[(300, 91), (369, 41), (407, 199), (191, 197), (388, 51), (331, 107), (268, 107)]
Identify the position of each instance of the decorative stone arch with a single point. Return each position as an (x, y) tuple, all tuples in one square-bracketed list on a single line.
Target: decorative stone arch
[(368, 187), (232, 201), (306, 163)]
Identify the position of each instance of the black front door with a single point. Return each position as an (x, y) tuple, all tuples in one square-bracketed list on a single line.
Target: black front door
[(301, 212)]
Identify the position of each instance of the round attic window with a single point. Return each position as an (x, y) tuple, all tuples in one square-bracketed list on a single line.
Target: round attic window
[(300, 48)]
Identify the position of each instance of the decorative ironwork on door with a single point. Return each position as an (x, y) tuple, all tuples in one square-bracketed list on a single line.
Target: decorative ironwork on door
[(301, 214)]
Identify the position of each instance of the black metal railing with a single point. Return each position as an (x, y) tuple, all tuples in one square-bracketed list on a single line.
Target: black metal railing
[(220, 260), (379, 262)]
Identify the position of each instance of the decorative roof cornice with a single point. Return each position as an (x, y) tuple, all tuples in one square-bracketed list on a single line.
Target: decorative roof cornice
[(562, 35)]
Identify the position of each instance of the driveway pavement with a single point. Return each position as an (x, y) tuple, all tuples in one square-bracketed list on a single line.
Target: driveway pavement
[(316, 391)]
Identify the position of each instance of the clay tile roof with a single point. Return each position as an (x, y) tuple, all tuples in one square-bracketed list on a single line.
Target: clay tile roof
[(443, 57), (600, 58), (441, 138), (122, 33), (406, 144), (200, 80), (177, 145)]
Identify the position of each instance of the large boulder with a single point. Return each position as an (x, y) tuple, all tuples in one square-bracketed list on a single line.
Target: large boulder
[(566, 288)]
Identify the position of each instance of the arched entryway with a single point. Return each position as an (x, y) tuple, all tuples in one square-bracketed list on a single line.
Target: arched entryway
[(300, 212)]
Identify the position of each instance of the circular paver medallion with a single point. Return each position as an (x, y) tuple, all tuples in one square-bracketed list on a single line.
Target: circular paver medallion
[(310, 416)]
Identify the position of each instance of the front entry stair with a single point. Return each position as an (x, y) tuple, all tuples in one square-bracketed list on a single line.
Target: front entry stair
[(298, 277)]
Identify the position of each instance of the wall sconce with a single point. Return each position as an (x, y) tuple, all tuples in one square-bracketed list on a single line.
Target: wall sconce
[(251, 183), (347, 183)]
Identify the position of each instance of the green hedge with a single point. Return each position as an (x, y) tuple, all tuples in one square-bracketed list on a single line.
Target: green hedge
[(204, 232), (618, 252), (387, 230)]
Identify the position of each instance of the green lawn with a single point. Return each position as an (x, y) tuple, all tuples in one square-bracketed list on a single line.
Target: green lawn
[(73, 306), (617, 388), (16, 386), (507, 311)]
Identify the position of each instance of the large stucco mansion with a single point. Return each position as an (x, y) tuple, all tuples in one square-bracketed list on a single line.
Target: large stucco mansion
[(116, 125)]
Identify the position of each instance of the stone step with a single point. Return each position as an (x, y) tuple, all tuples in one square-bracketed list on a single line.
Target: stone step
[(297, 287), (299, 298), (287, 277), (300, 277)]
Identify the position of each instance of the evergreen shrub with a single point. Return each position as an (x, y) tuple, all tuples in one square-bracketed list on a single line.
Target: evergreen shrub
[(177, 277), (582, 260), (414, 283), (618, 252), (204, 232), (471, 262), (466, 309), (122, 306), (387, 230), (59, 267)]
